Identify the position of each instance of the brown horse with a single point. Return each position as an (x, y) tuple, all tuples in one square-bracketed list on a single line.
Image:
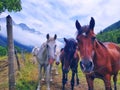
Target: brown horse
[(98, 60)]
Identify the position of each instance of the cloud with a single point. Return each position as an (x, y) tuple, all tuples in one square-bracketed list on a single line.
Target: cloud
[(58, 16)]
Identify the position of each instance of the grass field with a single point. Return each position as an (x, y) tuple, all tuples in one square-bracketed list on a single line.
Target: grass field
[(27, 77)]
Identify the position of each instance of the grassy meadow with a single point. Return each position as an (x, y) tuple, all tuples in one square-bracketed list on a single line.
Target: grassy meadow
[(27, 77)]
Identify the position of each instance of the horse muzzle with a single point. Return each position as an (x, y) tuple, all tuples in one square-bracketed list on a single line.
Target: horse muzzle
[(51, 60), (86, 66), (57, 63)]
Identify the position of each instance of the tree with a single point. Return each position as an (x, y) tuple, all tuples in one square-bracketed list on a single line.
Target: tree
[(118, 39), (10, 5)]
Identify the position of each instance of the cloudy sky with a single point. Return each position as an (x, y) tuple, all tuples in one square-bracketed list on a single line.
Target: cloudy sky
[(59, 16)]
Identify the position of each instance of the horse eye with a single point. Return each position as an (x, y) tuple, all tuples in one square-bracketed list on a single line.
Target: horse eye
[(93, 38), (47, 45), (55, 46), (78, 40)]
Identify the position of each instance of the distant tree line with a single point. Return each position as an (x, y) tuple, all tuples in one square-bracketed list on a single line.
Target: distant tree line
[(110, 36), (4, 50)]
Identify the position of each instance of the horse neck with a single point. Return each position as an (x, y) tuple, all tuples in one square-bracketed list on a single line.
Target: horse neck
[(100, 51), (43, 51), (77, 55)]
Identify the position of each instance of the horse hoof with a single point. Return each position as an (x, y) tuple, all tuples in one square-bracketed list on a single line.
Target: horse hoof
[(42, 79), (56, 73), (48, 88), (38, 88), (51, 80)]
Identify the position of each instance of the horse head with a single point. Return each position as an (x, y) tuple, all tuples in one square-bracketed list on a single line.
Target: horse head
[(51, 47), (86, 40), (35, 51), (69, 51)]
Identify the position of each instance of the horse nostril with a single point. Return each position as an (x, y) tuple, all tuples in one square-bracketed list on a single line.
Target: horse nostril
[(82, 66), (86, 66), (90, 64), (57, 63)]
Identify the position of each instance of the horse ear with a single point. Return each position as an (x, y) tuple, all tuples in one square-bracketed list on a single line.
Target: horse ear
[(65, 40), (47, 36), (78, 26), (92, 23), (55, 37)]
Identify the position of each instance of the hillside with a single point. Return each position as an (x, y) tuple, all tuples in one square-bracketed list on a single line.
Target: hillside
[(3, 42), (110, 33), (114, 26)]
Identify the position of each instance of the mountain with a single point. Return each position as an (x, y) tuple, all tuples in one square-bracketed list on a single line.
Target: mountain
[(114, 26), (25, 27), (110, 34), (3, 42), (21, 33), (24, 36)]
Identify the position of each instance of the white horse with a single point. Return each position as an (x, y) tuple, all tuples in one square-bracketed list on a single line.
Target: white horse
[(35, 51), (45, 56)]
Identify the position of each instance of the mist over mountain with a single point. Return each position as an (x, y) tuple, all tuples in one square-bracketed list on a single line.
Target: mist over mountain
[(3, 42), (23, 35)]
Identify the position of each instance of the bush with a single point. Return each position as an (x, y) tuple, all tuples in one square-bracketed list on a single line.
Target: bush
[(3, 51)]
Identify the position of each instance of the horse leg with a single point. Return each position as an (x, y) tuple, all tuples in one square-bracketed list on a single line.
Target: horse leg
[(64, 80), (48, 77), (51, 73), (77, 79), (44, 72), (72, 80), (56, 69), (107, 82), (39, 76), (89, 82), (115, 81)]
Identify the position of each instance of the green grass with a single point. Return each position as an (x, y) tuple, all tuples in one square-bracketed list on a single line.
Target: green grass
[(2, 58), (27, 77)]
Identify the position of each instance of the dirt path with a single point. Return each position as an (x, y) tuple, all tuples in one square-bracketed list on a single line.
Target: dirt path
[(3, 75), (56, 84)]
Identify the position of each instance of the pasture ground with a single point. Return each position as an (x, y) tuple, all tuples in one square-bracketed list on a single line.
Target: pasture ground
[(27, 77)]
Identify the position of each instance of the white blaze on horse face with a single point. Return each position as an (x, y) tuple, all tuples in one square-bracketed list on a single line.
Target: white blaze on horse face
[(51, 49), (84, 34)]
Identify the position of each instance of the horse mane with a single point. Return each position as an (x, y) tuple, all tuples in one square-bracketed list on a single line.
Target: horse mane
[(43, 48), (84, 29), (101, 43), (50, 39), (71, 43)]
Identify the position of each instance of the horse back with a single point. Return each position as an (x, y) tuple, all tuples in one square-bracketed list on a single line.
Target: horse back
[(114, 55)]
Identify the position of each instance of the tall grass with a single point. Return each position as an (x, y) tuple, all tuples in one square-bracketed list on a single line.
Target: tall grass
[(27, 77)]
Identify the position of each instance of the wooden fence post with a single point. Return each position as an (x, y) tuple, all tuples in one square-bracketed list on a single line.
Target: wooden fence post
[(10, 54)]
